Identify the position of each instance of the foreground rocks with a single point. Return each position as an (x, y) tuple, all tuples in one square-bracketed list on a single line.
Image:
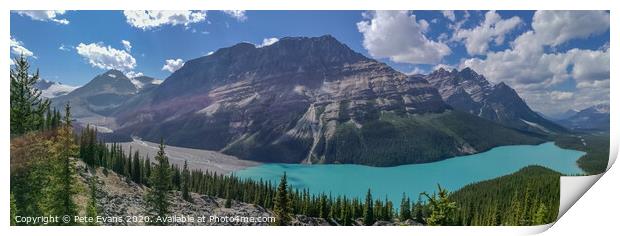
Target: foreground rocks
[(122, 202)]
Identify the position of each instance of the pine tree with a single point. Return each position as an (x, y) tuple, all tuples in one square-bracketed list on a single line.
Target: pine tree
[(540, 217), (228, 202), (405, 212), (158, 197), (418, 211), (147, 171), (442, 209), (13, 210), (369, 217), (61, 190), (91, 207), (136, 173), (323, 206), (27, 107), (185, 183), (281, 206), (346, 213)]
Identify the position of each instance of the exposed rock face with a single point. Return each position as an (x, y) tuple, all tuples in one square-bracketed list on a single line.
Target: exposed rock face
[(469, 91), (592, 118), (301, 99)]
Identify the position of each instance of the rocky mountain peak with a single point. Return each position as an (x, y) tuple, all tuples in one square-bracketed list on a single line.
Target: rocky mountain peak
[(314, 58), (466, 90)]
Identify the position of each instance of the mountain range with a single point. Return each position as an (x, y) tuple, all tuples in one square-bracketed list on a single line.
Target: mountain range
[(592, 118), (312, 100), (95, 102)]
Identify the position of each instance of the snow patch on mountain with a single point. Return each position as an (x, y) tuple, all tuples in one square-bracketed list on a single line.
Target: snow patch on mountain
[(535, 125), (51, 89)]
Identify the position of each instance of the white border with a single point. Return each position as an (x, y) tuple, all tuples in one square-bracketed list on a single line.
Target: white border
[(611, 181)]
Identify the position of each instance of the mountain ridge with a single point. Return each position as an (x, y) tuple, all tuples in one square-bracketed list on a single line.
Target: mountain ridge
[(471, 92), (300, 100), (595, 117)]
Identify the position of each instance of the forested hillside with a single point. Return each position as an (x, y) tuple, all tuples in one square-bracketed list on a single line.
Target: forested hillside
[(530, 196)]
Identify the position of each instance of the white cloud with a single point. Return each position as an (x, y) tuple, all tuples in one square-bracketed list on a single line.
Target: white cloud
[(560, 95), (106, 57), (17, 48), (536, 73), (553, 27), (444, 66), (173, 64), (449, 14), (133, 74), (399, 36), (237, 14), (267, 42), (210, 53), (64, 48), (493, 28), (126, 45), (417, 71), (146, 20), (45, 16)]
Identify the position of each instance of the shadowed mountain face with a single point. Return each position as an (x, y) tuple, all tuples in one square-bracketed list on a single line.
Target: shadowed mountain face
[(307, 100), (470, 92), (592, 118)]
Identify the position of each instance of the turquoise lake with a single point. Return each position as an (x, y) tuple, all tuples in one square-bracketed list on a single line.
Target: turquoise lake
[(453, 173)]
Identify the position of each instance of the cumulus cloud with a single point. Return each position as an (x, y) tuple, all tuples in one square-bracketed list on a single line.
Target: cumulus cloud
[(444, 66), (267, 42), (18, 49), (536, 73), (52, 16), (552, 29), (237, 14), (133, 74), (561, 95), (126, 45), (416, 71), (106, 57), (399, 36), (173, 64), (449, 14), (147, 20), (493, 28)]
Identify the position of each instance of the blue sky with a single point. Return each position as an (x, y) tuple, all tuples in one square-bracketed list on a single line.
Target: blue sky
[(53, 39)]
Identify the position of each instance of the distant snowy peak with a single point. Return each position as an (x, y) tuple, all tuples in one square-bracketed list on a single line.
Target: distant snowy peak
[(139, 82), (52, 89)]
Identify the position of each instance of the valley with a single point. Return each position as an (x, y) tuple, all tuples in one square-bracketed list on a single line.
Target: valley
[(204, 160)]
